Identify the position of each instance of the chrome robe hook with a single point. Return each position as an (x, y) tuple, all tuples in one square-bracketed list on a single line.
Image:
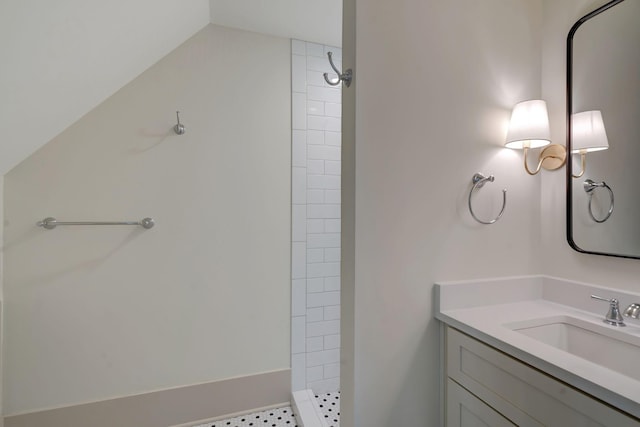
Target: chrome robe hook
[(478, 181), (342, 77), (590, 187), (179, 127)]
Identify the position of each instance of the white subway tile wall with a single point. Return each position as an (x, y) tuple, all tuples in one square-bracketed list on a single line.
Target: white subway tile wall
[(316, 199), (299, 364)]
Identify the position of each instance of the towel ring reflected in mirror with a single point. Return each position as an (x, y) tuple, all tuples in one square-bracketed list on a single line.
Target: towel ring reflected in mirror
[(590, 187), (478, 182)]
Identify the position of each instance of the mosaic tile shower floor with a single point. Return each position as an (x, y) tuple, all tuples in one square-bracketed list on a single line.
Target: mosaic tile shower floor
[(279, 417), (284, 417), (330, 406)]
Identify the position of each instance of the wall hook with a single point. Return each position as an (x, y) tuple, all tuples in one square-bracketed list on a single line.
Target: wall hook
[(478, 181), (179, 128), (344, 77)]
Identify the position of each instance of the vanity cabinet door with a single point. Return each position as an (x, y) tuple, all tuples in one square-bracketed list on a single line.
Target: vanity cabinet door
[(522, 394), (466, 410)]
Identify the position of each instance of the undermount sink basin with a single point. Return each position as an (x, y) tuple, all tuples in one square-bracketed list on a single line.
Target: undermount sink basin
[(614, 348)]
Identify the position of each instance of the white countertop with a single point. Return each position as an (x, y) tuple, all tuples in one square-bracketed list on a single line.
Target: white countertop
[(482, 308)]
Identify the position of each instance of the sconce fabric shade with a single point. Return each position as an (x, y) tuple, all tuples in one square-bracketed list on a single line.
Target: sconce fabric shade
[(529, 125), (587, 132)]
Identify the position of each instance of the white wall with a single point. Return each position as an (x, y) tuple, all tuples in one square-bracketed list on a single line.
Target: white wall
[(1, 293), (435, 82), (62, 58), (316, 21), (315, 250), (99, 312), (558, 258), (348, 216)]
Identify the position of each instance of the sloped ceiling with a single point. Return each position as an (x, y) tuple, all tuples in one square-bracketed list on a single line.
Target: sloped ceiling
[(60, 59), (317, 21)]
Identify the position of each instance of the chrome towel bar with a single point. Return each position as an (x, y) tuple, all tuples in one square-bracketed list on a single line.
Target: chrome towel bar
[(51, 223)]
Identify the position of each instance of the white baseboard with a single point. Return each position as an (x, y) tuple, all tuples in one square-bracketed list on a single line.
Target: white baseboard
[(171, 407), (234, 415)]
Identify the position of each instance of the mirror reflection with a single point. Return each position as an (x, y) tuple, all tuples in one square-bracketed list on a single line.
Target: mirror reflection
[(604, 105)]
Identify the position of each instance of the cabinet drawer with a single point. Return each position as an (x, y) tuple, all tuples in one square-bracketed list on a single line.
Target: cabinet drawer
[(466, 410), (521, 393)]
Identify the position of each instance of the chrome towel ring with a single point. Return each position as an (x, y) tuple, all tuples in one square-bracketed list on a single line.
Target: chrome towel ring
[(478, 181), (590, 187)]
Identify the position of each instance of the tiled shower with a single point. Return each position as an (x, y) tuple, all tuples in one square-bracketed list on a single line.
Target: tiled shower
[(316, 151)]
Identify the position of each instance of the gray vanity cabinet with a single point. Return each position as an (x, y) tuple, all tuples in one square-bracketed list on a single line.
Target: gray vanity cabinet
[(486, 387), (464, 409)]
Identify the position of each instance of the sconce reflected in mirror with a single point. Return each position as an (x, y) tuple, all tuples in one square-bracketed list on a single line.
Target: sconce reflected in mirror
[(529, 128), (587, 135)]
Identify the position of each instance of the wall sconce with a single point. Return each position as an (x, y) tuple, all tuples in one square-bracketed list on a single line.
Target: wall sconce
[(587, 135), (529, 128)]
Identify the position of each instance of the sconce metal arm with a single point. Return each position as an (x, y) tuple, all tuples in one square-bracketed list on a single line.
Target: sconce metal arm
[(526, 163), (583, 162), (552, 157)]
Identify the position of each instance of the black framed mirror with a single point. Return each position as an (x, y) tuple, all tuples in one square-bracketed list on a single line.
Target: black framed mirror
[(603, 131)]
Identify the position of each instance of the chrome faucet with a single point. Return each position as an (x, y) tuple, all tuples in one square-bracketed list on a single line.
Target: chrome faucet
[(613, 316)]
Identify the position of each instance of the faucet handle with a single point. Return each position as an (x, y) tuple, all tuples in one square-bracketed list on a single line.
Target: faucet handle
[(613, 316), (610, 300), (633, 310)]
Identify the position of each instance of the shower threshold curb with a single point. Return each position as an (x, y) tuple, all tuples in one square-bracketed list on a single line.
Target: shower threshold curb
[(306, 407)]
